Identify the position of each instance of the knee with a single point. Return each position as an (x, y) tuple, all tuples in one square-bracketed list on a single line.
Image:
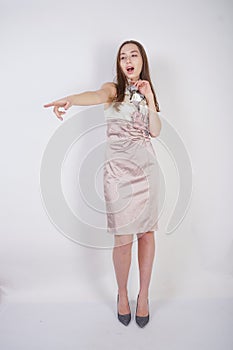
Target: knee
[(146, 237), (124, 242)]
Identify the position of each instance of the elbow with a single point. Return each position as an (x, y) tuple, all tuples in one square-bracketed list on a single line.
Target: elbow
[(154, 134)]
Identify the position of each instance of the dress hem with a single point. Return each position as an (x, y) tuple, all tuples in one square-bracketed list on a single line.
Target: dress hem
[(133, 233)]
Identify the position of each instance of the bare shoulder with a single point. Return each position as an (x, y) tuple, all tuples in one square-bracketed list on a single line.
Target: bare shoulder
[(111, 89)]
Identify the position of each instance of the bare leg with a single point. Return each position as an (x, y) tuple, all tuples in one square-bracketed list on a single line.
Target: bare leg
[(146, 252), (122, 261)]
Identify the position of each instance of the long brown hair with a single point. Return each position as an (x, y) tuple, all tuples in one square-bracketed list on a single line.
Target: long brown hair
[(121, 80)]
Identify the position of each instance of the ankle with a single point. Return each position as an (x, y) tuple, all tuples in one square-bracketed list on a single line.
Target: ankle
[(123, 293), (143, 294)]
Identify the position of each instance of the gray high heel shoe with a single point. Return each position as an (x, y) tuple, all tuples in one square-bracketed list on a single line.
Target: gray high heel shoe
[(126, 318), (141, 320)]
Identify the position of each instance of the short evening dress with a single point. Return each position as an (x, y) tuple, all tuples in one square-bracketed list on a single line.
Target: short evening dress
[(131, 170)]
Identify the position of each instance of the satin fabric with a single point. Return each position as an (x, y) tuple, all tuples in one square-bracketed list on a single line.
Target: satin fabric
[(131, 173)]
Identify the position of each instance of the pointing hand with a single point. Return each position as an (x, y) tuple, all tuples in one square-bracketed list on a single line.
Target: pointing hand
[(64, 103)]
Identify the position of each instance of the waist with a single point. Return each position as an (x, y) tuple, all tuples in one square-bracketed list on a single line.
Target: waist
[(127, 130)]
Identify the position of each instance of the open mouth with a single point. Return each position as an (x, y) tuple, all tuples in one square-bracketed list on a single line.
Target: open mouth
[(130, 69)]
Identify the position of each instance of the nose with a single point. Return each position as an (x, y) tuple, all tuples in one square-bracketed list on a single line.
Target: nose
[(127, 59)]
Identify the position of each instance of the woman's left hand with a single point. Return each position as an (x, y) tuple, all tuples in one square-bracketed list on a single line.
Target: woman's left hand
[(144, 87)]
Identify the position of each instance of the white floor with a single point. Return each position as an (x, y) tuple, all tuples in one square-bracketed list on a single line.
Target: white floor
[(200, 324)]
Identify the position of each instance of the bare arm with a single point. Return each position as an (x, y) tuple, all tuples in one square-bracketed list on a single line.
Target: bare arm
[(154, 120), (105, 94)]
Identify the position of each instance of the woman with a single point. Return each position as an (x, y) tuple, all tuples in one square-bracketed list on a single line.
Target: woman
[(131, 110)]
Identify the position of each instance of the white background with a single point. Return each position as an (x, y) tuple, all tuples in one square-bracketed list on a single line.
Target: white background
[(50, 49)]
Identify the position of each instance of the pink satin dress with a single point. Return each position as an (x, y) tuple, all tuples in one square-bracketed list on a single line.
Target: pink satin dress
[(131, 170)]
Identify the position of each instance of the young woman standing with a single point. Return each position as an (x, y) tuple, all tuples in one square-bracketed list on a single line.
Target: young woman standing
[(132, 115)]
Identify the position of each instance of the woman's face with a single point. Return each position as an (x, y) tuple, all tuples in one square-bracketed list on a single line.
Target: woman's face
[(130, 57)]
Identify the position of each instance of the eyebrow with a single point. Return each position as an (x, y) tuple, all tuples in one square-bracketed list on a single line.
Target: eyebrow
[(123, 53)]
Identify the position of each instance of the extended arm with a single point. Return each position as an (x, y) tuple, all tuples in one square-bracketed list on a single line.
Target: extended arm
[(103, 95)]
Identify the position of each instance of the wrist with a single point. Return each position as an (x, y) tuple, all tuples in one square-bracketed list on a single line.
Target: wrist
[(150, 98), (71, 99)]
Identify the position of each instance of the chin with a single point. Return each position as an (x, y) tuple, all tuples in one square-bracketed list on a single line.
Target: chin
[(132, 77)]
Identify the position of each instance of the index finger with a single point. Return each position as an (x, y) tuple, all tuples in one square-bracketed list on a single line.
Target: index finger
[(49, 104)]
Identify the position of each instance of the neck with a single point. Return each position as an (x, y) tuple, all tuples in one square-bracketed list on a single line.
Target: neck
[(132, 80)]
